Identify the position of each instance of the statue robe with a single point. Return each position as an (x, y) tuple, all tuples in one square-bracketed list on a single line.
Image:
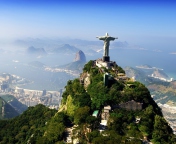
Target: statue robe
[(106, 40)]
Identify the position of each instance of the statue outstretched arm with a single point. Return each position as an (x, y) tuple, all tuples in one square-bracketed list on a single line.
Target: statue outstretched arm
[(113, 38), (100, 38)]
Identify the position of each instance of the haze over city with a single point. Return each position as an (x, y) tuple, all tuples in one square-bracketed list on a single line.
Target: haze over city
[(148, 26)]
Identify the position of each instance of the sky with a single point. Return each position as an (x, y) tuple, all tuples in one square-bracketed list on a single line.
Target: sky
[(142, 22)]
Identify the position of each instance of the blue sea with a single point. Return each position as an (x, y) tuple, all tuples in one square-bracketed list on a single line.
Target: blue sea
[(133, 58), (54, 81)]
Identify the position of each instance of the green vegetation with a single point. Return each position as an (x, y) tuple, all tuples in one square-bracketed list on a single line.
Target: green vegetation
[(75, 97), (29, 126), (1, 105), (11, 100), (6, 110), (88, 66), (163, 91), (10, 107), (42, 125), (121, 124), (120, 70)]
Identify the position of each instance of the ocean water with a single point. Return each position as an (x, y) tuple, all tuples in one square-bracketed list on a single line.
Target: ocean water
[(39, 78), (171, 75), (133, 58), (52, 81)]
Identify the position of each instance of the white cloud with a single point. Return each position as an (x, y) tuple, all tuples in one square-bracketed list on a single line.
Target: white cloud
[(173, 53)]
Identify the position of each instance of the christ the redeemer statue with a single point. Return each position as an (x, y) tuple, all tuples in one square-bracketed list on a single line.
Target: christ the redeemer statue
[(106, 40)]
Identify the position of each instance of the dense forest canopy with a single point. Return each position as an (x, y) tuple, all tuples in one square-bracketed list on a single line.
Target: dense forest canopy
[(42, 125)]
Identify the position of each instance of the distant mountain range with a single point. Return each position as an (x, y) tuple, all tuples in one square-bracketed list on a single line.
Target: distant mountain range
[(78, 64), (139, 74), (66, 48), (120, 44), (47, 42), (6, 110), (36, 51), (63, 49), (145, 72), (73, 66), (160, 74), (66, 45), (36, 64), (146, 66)]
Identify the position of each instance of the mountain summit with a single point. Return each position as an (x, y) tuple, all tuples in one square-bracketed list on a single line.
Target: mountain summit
[(66, 49), (80, 56), (36, 51), (106, 106)]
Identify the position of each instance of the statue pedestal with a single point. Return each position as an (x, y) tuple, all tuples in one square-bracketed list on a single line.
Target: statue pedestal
[(106, 58)]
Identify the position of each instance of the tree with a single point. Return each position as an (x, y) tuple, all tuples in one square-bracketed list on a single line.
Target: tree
[(93, 135), (54, 132), (81, 114), (82, 99), (161, 130), (98, 93), (88, 66)]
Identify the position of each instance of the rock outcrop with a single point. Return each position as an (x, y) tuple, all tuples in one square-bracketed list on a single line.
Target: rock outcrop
[(80, 56)]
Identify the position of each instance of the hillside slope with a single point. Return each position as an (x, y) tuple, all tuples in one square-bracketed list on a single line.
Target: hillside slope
[(126, 120), (6, 110), (29, 127), (13, 102), (103, 106)]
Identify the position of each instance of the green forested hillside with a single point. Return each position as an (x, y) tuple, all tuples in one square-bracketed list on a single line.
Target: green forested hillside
[(81, 98), (6, 110), (121, 125), (26, 128), (11, 100)]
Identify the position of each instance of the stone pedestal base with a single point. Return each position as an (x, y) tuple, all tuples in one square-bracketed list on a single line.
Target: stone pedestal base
[(106, 58)]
